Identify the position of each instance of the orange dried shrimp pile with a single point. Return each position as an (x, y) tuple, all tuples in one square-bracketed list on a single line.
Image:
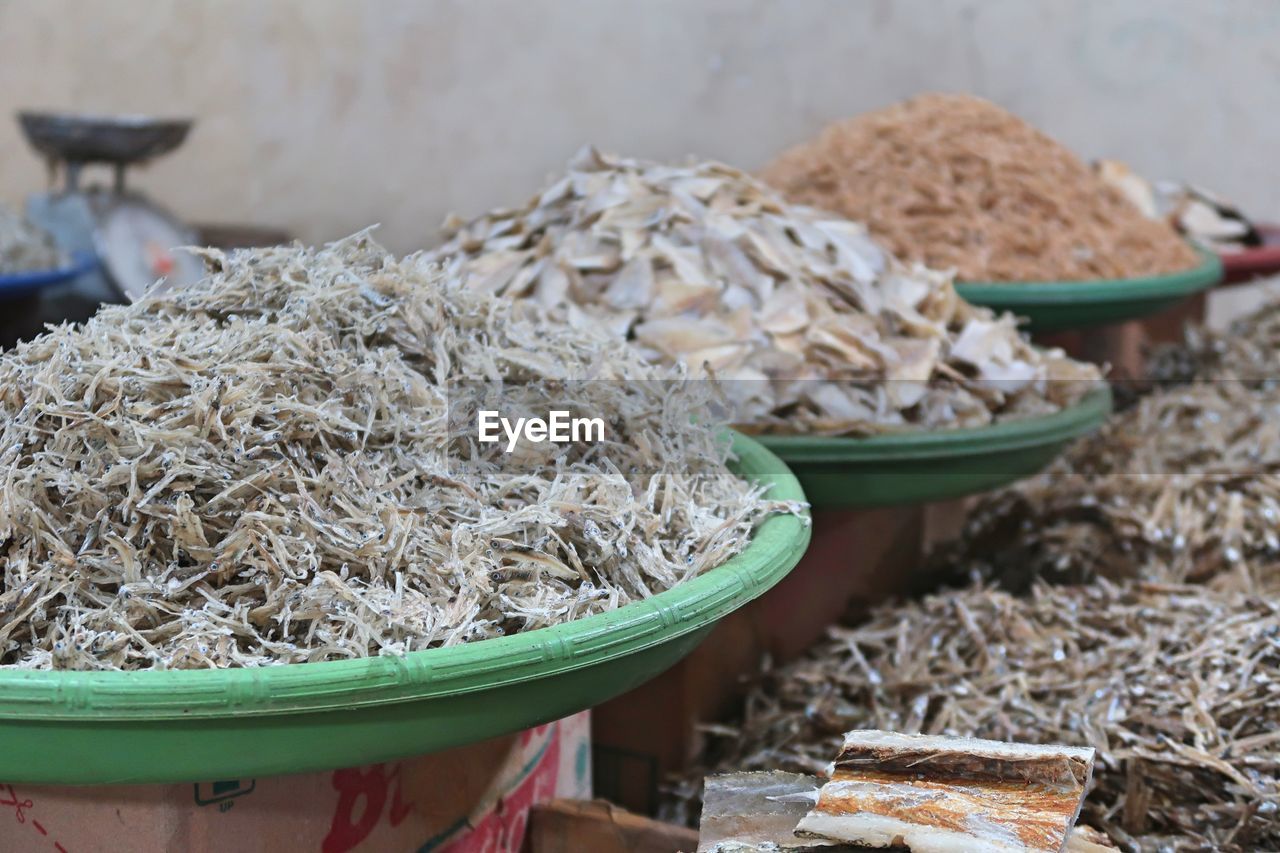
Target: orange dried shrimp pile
[(954, 181)]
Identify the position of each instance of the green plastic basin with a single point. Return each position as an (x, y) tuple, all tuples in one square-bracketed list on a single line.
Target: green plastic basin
[(916, 467), (71, 728), (1053, 306)]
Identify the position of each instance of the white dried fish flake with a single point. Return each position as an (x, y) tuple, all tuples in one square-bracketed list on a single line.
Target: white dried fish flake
[(692, 260)]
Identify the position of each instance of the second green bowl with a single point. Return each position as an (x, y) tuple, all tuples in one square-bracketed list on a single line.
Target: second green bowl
[(917, 467), (1055, 306)]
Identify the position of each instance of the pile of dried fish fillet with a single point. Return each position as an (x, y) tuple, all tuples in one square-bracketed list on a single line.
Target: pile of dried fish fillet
[(261, 469), (1183, 485), (25, 247), (956, 182), (1200, 215), (924, 793), (1177, 688), (808, 325)]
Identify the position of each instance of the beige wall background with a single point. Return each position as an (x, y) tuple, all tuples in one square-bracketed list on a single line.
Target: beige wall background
[(324, 116)]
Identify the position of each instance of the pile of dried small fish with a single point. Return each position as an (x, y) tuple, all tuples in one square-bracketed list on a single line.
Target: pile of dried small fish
[(956, 182), (262, 469), (1184, 485), (808, 325), (24, 247), (1247, 351), (1176, 687)]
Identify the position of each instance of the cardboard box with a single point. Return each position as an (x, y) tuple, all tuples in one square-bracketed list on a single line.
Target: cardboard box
[(466, 800)]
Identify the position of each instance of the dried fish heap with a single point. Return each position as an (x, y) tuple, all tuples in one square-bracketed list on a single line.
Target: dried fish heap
[(24, 247), (1198, 214), (260, 470), (956, 182), (809, 326), (1247, 351), (1181, 486), (1177, 688)]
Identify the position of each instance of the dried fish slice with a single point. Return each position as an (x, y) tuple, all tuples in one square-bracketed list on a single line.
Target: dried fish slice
[(935, 794)]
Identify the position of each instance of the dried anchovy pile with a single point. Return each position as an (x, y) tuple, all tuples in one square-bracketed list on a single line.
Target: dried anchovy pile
[(1184, 485), (956, 182), (261, 470), (1176, 687), (24, 247), (1247, 351), (808, 324)]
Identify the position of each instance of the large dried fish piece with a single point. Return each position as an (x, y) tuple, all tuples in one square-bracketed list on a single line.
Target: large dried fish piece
[(704, 266), (935, 794)]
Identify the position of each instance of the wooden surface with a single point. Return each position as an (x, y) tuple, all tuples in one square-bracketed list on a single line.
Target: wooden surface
[(576, 826)]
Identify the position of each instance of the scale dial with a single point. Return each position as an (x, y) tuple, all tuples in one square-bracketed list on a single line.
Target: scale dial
[(140, 244)]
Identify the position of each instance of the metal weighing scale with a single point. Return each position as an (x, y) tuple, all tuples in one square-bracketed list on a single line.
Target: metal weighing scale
[(134, 238)]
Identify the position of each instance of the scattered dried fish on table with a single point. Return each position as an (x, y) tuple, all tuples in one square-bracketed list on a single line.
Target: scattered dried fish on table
[(956, 182), (936, 794), (1177, 688), (260, 469), (807, 323), (25, 247), (759, 811)]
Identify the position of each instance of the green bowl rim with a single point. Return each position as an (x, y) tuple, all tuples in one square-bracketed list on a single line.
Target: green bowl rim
[(1012, 294), (149, 695), (1086, 415)]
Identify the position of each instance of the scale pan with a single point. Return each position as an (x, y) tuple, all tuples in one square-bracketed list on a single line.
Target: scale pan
[(84, 138)]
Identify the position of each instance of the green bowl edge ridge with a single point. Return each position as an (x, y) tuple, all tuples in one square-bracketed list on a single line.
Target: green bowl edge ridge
[(1084, 417), (1011, 294)]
